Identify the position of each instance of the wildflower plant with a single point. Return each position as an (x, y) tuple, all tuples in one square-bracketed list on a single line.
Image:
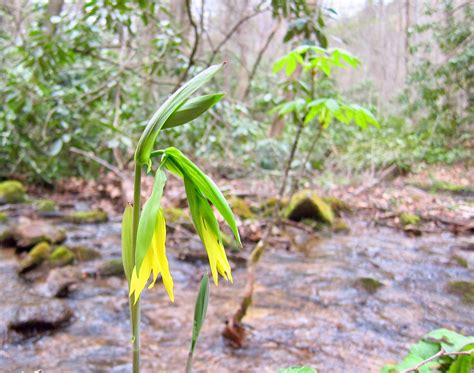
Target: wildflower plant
[(144, 232)]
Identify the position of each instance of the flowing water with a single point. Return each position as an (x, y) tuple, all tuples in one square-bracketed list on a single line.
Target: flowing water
[(308, 309)]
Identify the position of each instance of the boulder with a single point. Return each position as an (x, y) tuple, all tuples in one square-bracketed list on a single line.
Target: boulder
[(12, 191), (34, 258), (61, 256), (37, 317), (29, 233), (88, 217), (306, 204)]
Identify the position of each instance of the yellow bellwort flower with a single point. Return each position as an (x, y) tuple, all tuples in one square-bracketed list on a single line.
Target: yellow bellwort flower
[(155, 262)]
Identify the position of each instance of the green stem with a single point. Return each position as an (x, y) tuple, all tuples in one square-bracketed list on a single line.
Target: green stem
[(135, 308), (189, 362)]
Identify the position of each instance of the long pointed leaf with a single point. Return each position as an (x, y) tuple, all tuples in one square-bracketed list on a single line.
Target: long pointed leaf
[(192, 109), (200, 310), (173, 103), (146, 225)]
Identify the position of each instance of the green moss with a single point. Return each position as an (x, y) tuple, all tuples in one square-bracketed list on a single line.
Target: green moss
[(35, 257), (88, 217), (463, 289), (12, 191), (306, 204), (407, 218), (61, 256), (460, 261), (240, 207), (341, 226), (45, 205), (338, 205), (370, 285), (84, 254), (3, 217), (175, 215)]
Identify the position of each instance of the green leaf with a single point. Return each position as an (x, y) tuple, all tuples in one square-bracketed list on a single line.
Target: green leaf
[(192, 109), (173, 103), (463, 363), (203, 183), (127, 244), (200, 310), (146, 225)]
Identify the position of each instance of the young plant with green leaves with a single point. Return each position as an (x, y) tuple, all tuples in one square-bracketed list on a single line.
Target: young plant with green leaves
[(304, 67), (144, 232)]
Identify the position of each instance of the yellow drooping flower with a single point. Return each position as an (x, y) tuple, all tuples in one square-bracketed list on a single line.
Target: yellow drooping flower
[(155, 262), (209, 232)]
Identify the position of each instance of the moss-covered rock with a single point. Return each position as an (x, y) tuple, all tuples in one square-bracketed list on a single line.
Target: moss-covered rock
[(306, 204), (35, 257), (12, 191), (6, 233), (45, 205), (61, 256), (370, 285), (112, 267), (175, 215), (460, 261), (340, 226), (240, 207), (3, 217), (407, 218), (230, 243), (337, 205), (463, 289), (88, 217), (84, 254)]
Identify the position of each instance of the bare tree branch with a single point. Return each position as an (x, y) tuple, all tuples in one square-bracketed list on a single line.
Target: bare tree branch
[(441, 353)]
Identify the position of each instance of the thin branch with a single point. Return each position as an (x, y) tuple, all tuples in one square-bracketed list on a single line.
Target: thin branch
[(233, 30), (441, 353), (100, 161)]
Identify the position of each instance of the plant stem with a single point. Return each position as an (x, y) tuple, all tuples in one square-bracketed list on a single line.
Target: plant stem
[(189, 362), (135, 307)]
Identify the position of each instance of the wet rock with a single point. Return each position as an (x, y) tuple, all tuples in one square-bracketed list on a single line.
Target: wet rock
[(3, 217), (407, 218), (61, 256), (306, 204), (463, 289), (34, 258), (112, 267), (59, 282), (337, 205), (240, 207), (29, 233), (45, 205), (84, 254), (88, 217), (38, 317), (12, 191), (370, 285)]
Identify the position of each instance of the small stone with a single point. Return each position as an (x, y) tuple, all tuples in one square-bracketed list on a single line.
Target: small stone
[(112, 267), (370, 285), (34, 258), (463, 289), (61, 256), (37, 317), (58, 282), (306, 204), (88, 217), (29, 233), (12, 191), (84, 254)]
